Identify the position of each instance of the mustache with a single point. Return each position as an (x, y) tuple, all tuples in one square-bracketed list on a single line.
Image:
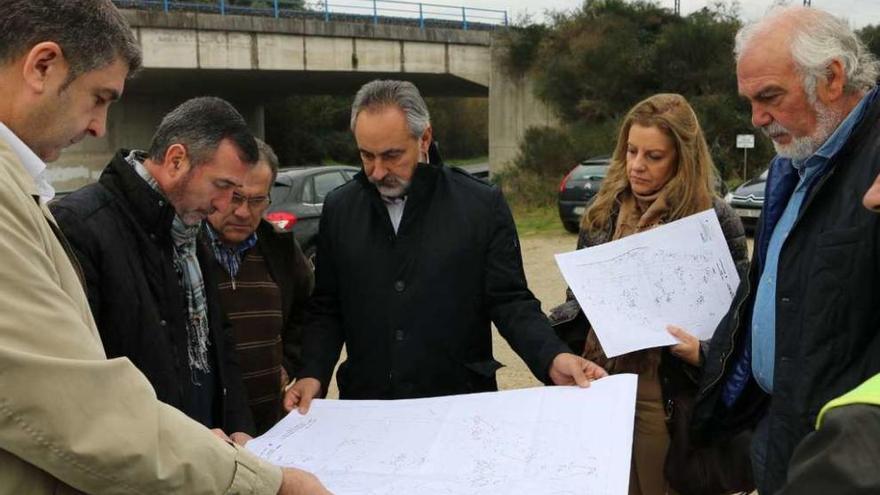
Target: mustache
[(389, 181), (773, 129)]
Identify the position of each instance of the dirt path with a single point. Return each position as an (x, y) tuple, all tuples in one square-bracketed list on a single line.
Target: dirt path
[(547, 284)]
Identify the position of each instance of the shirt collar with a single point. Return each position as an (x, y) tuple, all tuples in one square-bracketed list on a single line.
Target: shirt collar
[(238, 249), (34, 166), (840, 136)]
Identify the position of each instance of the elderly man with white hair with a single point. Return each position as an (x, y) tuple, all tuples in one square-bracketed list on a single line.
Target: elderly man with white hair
[(805, 326)]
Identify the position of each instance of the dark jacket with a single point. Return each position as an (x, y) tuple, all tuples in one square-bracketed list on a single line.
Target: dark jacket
[(841, 458), (292, 272), (120, 229), (414, 308), (827, 307), (676, 376)]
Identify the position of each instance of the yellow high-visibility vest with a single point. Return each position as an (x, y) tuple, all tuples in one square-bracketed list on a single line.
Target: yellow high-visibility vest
[(866, 393)]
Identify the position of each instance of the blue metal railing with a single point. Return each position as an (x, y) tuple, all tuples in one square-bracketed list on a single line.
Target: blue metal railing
[(374, 11)]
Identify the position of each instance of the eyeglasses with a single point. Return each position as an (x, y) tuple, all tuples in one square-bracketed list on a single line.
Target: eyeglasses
[(253, 202)]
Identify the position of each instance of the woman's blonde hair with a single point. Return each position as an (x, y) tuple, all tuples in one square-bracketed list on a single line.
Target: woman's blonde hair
[(689, 190)]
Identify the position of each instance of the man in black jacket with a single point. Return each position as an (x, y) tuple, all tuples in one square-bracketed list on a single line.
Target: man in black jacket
[(135, 231), (803, 327), (264, 282), (414, 261), (840, 457)]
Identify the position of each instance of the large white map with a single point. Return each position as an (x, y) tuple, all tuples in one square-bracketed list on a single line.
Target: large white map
[(549, 440), (630, 289)]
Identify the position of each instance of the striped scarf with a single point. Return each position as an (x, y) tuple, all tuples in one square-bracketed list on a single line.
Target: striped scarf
[(190, 278)]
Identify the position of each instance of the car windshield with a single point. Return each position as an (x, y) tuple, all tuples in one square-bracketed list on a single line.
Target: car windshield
[(764, 174), (584, 172)]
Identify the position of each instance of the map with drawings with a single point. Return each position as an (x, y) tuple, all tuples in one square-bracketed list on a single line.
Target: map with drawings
[(549, 440), (680, 273)]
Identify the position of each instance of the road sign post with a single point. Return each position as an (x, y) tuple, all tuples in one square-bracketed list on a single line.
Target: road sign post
[(745, 141)]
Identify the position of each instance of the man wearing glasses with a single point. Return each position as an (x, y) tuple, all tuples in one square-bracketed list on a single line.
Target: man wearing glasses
[(264, 281)]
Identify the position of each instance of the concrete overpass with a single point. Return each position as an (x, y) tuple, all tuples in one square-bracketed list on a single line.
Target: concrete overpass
[(249, 60)]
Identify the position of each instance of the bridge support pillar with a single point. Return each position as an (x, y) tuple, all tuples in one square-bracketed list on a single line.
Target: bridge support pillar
[(513, 108)]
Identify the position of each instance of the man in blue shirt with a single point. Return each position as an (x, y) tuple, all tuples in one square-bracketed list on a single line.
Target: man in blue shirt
[(803, 328)]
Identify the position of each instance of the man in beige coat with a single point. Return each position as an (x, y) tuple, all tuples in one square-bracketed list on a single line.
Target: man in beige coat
[(70, 420)]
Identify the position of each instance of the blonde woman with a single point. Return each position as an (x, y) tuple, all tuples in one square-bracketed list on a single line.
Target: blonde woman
[(660, 171)]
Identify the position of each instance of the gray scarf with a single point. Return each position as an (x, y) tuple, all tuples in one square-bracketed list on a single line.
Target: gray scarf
[(189, 274)]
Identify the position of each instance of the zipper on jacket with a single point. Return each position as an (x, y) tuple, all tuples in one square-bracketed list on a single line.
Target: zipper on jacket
[(733, 335)]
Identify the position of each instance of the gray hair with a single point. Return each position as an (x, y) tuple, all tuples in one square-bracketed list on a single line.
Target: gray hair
[(91, 33), (200, 125), (268, 156), (817, 39), (403, 94)]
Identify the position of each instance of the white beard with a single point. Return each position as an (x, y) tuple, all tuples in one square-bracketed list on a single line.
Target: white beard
[(800, 148)]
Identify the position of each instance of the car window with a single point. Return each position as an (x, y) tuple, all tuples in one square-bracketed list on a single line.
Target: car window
[(280, 192), (764, 174), (308, 192), (325, 183), (584, 172)]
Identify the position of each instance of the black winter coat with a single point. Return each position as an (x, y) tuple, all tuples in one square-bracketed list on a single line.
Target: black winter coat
[(414, 308), (827, 311), (120, 230)]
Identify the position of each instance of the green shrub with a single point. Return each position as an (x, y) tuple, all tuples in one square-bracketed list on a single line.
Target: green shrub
[(546, 151)]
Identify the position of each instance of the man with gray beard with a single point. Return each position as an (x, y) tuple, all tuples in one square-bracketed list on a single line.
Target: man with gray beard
[(414, 261), (803, 328)]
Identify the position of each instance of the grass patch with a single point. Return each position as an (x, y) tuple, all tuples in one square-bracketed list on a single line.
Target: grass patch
[(537, 220), (458, 162)]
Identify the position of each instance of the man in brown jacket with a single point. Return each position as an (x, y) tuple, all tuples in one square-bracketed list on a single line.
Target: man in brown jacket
[(70, 420)]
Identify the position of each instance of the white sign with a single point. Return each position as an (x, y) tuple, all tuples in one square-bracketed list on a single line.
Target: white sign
[(547, 440), (630, 289), (745, 141)]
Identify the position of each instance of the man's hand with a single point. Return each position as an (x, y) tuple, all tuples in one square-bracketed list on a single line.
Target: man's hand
[(238, 437), (220, 434), (298, 482), (568, 369), (285, 379), (689, 348), (301, 393)]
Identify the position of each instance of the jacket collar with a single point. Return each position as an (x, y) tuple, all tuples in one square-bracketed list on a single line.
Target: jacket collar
[(422, 185), (32, 164), (151, 210)]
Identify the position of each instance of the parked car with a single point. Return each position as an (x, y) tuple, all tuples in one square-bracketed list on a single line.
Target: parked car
[(298, 198), (748, 199), (479, 170), (578, 188)]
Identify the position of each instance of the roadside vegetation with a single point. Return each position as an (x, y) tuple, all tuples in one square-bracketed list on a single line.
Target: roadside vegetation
[(593, 64)]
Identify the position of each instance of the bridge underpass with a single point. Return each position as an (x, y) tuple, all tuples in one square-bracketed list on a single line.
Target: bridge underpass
[(252, 61)]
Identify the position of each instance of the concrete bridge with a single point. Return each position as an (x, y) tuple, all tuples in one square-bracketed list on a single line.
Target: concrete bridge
[(249, 60)]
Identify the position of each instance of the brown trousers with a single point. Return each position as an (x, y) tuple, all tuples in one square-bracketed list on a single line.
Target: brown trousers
[(650, 442)]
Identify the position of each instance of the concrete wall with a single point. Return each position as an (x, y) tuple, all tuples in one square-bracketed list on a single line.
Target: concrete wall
[(210, 41), (513, 108)]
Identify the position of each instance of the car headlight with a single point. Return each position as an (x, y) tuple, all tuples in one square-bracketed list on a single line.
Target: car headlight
[(728, 197)]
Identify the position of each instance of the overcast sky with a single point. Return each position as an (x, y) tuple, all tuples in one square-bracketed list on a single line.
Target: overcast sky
[(858, 12)]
